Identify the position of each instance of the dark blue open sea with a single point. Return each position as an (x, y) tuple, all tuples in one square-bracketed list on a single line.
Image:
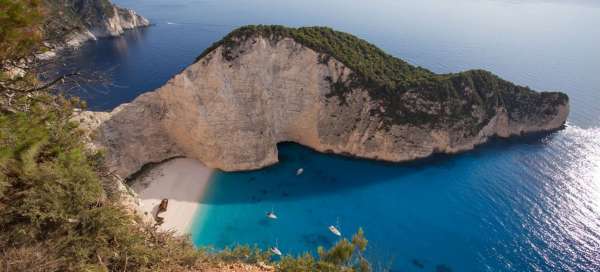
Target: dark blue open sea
[(522, 204)]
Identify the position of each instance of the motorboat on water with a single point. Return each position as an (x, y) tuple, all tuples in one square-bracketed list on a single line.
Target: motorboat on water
[(271, 215), (335, 230), (276, 251)]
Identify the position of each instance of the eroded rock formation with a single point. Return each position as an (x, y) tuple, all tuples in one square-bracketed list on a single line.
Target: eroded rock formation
[(73, 22), (231, 108), (101, 18)]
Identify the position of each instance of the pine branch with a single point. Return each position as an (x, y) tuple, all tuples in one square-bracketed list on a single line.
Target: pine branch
[(40, 88)]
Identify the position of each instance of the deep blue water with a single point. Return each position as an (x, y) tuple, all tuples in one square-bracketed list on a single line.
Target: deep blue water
[(524, 204)]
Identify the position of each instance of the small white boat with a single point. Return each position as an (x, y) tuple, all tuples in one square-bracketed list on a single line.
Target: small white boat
[(271, 215), (334, 230), (276, 251), (299, 171)]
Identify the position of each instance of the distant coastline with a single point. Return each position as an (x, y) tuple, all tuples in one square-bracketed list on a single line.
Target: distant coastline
[(76, 22)]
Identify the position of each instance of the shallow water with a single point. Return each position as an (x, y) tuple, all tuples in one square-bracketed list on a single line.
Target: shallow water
[(524, 204), (517, 205)]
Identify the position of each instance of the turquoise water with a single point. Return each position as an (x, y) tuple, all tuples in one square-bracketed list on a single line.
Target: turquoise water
[(512, 205), (523, 204)]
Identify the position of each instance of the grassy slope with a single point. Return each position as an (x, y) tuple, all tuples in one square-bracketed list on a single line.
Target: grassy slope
[(387, 78)]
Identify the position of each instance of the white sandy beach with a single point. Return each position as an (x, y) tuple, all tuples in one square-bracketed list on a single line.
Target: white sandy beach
[(182, 181)]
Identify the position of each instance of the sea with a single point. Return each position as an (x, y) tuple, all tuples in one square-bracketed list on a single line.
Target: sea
[(527, 203)]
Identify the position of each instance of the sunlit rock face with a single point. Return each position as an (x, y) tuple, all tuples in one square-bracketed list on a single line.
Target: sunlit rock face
[(70, 23), (230, 113), (101, 18)]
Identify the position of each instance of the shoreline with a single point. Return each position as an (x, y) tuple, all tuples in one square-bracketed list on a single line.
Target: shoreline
[(183, 182)]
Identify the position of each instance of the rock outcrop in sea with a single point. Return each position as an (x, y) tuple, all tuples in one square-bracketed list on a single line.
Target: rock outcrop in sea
[(73, 22), (327, 90)]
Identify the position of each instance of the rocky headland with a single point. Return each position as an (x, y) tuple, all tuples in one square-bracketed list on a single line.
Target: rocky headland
[(328, 90), (72, 22)]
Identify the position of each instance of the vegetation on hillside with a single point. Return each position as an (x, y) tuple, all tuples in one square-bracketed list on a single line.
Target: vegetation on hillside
[(388, 79), (66, 16), (59, 210), (25, 22), (19, 33), (372, 65)]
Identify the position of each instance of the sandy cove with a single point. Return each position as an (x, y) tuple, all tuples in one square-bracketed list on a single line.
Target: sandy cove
[(182, 181)]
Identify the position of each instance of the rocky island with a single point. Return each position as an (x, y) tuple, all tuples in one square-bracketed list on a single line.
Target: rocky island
[(328, 90)]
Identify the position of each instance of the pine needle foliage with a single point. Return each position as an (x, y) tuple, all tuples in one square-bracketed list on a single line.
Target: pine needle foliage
[(19, 31), (52, 198), (345, 256)]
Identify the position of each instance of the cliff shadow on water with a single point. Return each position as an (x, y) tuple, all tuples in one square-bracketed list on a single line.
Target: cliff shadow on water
[(329, 174), (101, 82)]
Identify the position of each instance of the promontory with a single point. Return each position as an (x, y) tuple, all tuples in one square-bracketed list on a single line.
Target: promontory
[(70, 23), (324, 89)]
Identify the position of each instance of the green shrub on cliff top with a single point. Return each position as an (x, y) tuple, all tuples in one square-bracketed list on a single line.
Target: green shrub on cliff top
[(372, 65), (387, 78)]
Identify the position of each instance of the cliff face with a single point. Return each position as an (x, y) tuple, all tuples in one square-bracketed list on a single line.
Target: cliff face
[(101, 18), (73, 22), (231, 108)]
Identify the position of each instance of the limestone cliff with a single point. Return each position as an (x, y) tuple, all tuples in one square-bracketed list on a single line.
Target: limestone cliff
[(73, 22), (258, 88)]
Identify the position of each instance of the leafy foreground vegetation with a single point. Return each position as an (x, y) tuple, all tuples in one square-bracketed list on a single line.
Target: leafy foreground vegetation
[(19, 32), (59, 209)]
